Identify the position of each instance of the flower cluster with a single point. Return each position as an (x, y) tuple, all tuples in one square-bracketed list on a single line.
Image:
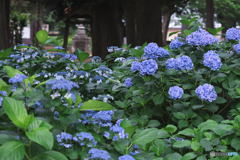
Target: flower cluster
[(104, 98), (148, 67), (233, 34), (96, 59), (85, 139), (237, 48), (126, 157), (175, 92), (103, 118), (206, 92), (175, 44), (119, 131), (59, 84), (136, 66), (201, 38), (152, 51), (2, 93), (180, 63), (64, 139), (128, 82), (95, 153), (212, 60), (17, 78)]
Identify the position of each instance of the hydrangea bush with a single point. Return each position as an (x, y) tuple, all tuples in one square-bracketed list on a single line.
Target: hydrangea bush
[(178, 102)]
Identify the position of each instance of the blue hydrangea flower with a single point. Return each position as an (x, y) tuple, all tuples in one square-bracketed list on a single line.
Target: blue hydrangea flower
[(175, 44), (212, 60), (106, 134), (171, 63), (95, 153), (85, 139), (58, 47), (136, 66), (1, 99), (233, 34), (126, 157), (201, 38), (17, 78), (184, 62), (135, 151), (175, 92), (3, 93), (148, 67), (117, 129), (64, 139), (128, 82), (152, 51), (206, 92), (59, 84), (96, 59), (237, 48), (103, 118)]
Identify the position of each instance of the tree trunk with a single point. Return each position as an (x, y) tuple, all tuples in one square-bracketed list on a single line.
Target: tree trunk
[(166, 20), (128, 7), (106, 28), (66, 33), (209, 14), (149, 21), (4, 21), (227, 23), (39, 15)]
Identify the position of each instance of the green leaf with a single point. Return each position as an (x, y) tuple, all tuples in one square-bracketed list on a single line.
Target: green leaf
[(187, 132), (41, 136), (6, 53), (119, 104), (172, 33), (29, 119), (144, 136), (39, 123), (173, 156), (56, 50), (220, 100), (11, 71), (82, 56), (158, 146), (127, 126), (181, 144), (12, 151), (187, 32), (235, 143), (51, 155), (96, 106), (4, 138), (197, 106), (15, 110), (171, 72), (206, 144), (158, 99), (121, 145), (34, 48), (209, 124), (188, 86), (78, 100), (170, 128), (153, 123), (179, 115), (195, 146), (237, 90), (222, 129), (190, 155), (42, 36), (42, 83), (162, 134)]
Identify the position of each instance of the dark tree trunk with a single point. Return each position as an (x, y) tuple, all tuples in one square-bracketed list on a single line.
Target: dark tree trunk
[(227, 23), (106, 28), (128, 7), (4, 24), (39, 15), (166, 20), (209, 14), (66, 33), (149, 21)]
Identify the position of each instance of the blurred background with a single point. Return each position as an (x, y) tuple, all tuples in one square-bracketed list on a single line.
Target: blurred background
[(94, 25)]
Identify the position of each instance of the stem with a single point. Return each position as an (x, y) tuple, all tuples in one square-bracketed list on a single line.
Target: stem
[(128, 148)]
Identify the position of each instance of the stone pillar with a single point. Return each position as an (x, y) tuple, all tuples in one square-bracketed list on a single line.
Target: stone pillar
[(81, 40)]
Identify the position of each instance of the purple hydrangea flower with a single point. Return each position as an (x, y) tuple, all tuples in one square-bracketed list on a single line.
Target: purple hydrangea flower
[(152, 51), (106, 134), (17, 78), (212, 60), (128, 82), (233, 34), (206, 92), (59, 84), (126, 157), (175, 44), (148, 67), (64, 139), (171, 63), (184, 62), (85, 139), (136, 66), (201, 38), (237, 48), (175, 92), (95, 153), (162, 53)]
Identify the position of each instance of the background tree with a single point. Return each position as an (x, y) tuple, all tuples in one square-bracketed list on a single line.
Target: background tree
[(4, 21), (209, 14)]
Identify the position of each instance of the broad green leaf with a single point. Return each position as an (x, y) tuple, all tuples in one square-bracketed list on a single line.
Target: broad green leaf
[(41, 136), (158, 99), (96, 105), (188, 156), (39, 123), (121, 145), (42, 83), (170, 128), (172, 33), (220, 100), (29, 119), (42, 36), (206, 144), (56, 50), (181, 144), (197, 106), (4, 138), (82, 56), (237, 90), (11, 71), (187, 132), (51, 155), (158, 146), (145, 136), (12, 151), (222, 129), (78, 100), (162, 134), (6, 53), (153, 123), (15, 110), (173, 156), (179, 115), (209, 124), (235, 143), (128, 128), (195, 146), (119, 104)]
